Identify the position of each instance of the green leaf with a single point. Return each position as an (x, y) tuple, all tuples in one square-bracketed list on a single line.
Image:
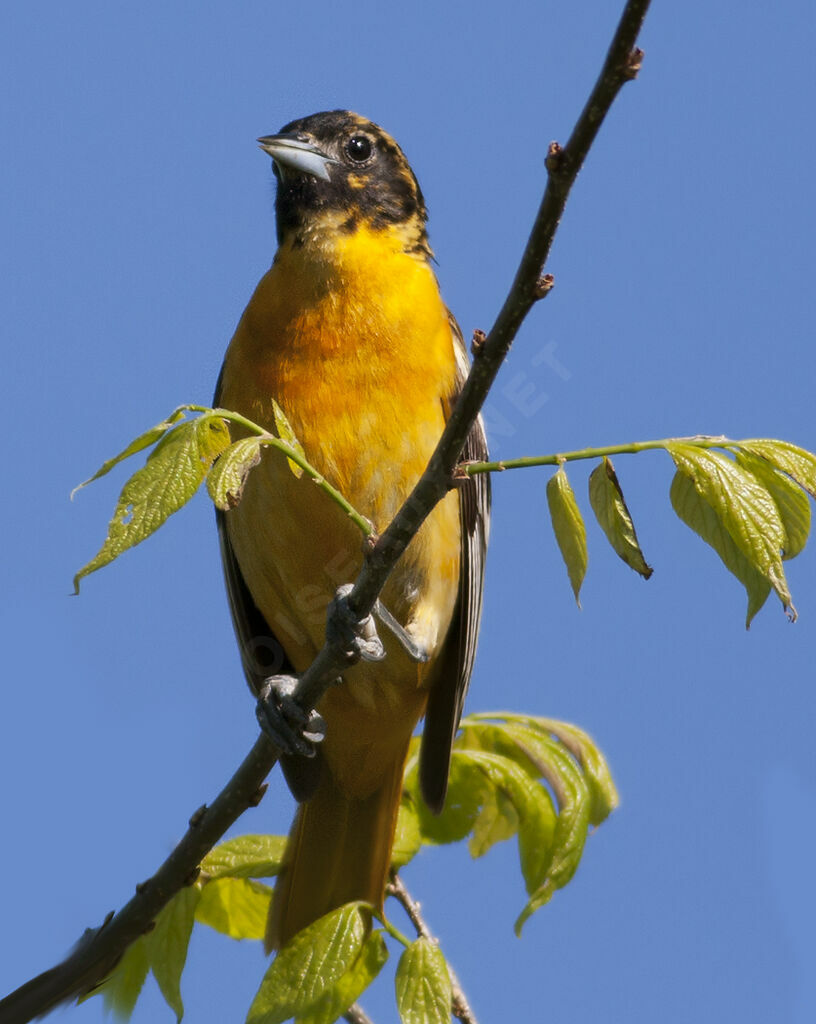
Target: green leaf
[(498, 820), (310, 965), (701, 517), (796, 462), (143, 441), (571, 825), (351, 986), (554, 851), (250, 856), (121, 989), (238, 907), (475, 731), (423, 985), (791, 502), (568, 525), (170, 477), (744, 507), (536, 815), (492, 737), (287, 434), (167, 945), (550, 856), (408, 836), (226, 479), (462, 803), (606, 498), (602, 791)]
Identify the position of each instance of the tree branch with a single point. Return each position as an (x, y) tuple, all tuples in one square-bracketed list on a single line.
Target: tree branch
[(355, 1014), (99, 950), (460, 1007)]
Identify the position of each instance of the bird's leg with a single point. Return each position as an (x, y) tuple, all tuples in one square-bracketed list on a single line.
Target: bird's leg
[(415, 651), (282, 717), (291, 729), (356, 637)]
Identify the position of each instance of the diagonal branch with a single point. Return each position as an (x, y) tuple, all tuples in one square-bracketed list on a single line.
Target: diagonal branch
[(99, 950), (563, 164)]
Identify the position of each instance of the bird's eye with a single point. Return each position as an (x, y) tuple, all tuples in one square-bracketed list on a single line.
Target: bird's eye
[(359, 148)]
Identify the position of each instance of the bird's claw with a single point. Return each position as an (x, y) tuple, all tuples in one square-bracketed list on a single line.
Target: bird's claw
[(293, 730), (415, 651), (357, 637)]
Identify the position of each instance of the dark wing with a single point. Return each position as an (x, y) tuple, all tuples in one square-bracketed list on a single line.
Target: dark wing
[(262, 655), (452, 673)]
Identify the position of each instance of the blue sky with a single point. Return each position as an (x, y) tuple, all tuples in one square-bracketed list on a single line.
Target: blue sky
[(137, 217)]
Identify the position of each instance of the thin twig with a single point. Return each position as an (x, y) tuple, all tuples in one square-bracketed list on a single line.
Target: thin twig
[(459, 1004), (99, 951), (631, 448), (355, 1014)]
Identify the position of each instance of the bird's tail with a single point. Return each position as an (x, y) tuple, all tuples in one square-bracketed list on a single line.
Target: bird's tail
[(339, 850)]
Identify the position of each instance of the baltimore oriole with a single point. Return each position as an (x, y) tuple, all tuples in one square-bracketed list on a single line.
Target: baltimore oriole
[(347, 332)]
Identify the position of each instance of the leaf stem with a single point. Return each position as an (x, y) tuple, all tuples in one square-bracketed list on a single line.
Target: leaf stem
[(360, 521), (393, 931), (698, 441)]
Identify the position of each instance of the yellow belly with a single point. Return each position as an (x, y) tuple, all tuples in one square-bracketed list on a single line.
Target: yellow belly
[(363, 370)]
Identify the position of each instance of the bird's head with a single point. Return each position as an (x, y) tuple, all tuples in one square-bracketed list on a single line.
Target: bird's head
[(339, 168)]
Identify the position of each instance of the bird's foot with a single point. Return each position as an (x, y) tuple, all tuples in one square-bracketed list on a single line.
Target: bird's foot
[(415, 650), (357, 637), (293, 730)]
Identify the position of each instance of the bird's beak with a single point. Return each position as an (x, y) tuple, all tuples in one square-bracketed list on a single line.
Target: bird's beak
[(292, 154)]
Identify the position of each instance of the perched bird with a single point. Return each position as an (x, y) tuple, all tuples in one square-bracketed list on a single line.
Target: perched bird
[(348, 334)]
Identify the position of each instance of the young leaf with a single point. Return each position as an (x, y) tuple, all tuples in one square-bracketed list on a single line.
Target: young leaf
[(310, 965), (606, 498), (796, 462), (226, 479), (167, 945), (603, 794), (351, 986), (791, 501), (568, 525), (143, 441), (571, 826), (465, 791), (542, 756), (701, 517), (237, 907), (498, 820), (170, 477), (251, 856), (423, 985), (408, 836), (745, 508), (285, 433), (536, 815), (121, 988), (494, 738), (568, 848)]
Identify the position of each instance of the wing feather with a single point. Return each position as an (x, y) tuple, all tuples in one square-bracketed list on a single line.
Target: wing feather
[(262, 654), (447, 696)]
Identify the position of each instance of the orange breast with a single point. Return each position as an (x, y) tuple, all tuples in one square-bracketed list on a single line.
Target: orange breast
[(355, 346)]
